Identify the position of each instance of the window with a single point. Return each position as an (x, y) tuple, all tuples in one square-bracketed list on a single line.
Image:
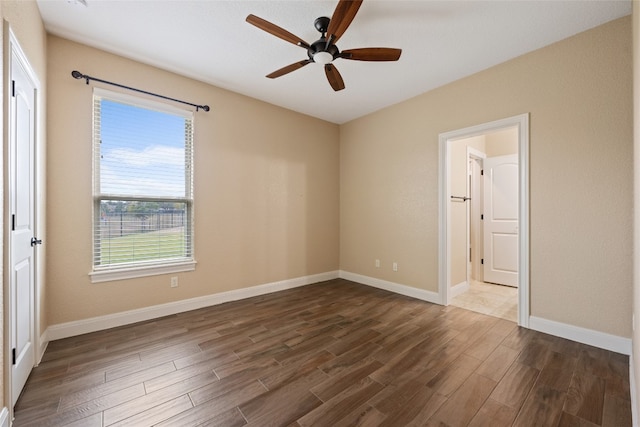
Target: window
[(143, 188)]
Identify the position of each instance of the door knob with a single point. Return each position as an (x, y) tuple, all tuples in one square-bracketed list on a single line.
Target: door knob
[(35, 241)]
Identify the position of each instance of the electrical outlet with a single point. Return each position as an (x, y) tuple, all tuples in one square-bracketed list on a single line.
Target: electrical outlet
[(395, 266), (377, 263), (174, 282)]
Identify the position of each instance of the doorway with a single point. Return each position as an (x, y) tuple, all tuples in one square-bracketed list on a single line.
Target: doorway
[(464, 227)]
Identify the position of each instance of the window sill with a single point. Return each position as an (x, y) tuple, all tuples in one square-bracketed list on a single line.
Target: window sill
[(143, 271)]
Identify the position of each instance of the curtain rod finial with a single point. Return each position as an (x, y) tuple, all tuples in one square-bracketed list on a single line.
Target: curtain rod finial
[(78, 75)]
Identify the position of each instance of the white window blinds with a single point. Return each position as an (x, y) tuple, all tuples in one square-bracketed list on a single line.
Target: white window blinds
[(143, 183)]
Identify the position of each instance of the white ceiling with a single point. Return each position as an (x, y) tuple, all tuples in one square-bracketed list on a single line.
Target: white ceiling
[(209, 40)]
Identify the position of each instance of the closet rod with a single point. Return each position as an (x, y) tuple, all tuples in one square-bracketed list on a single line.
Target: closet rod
[(78, 75)]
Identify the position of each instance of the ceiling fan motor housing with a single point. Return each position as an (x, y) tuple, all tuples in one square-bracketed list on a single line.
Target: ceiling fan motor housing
[(321, 46)]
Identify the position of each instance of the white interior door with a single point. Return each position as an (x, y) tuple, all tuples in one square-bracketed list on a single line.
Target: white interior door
[(501, 220), (22, 217)]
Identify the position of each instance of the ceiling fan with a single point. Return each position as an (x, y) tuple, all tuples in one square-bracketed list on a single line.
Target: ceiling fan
[(324, 50)]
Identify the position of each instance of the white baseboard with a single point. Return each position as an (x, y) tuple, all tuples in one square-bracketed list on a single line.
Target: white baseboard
[(397, 288), (586, 336), (458, 289), (4, 417), (633, 391), (79, 327), (44, 342)]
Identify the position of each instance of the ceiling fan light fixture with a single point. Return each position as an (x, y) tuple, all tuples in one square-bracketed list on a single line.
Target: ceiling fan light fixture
[(323, 58)]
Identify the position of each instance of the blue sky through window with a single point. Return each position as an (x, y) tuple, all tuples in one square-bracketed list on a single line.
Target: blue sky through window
[(142, 151)]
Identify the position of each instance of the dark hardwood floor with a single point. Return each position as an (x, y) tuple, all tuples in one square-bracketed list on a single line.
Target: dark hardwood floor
[(330, 354)]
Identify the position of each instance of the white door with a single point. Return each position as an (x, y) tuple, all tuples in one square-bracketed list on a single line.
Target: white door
[(501, 220), (21, 223)]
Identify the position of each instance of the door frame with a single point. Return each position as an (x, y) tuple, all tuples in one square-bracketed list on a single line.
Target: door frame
[(12, 48), (444, 188), (473, 221)]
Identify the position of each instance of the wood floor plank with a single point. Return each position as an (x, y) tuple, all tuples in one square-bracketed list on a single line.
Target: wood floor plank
[(223, 388), (427, 404), (618, 387), (515, 385), (41, 393), (543, 407), (364, 416), (291, 372), (585, 398), (78, 397), (398, 366), (218, 358), (535, 354), (157, 414), (353, 340), (178, 375), (101, 404), (616, 412), (342, 404), (447, 381), (306, 349), (230, 397), (498, 363), (568, 420), (94, 420), (32, 413), (112, 374), (493, 414), (419, 407), (286, 403), (463, 405), (203, 416), (147, 401), (338, 383), (483, 347), (395, 397), (351, 357), (558, 371), (335, 353)]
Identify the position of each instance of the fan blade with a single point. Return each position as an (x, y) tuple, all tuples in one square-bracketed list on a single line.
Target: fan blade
[(372, 54), (343, 15), (289, 68), (276, 31), (334, 77)]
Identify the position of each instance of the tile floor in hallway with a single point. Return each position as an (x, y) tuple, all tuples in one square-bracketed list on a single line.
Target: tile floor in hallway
[(487, 298)]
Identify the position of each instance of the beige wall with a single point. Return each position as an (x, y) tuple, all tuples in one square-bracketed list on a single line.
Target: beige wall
[(266, 190), (578, 94), (23, 18), (502, 143), (635, 357)]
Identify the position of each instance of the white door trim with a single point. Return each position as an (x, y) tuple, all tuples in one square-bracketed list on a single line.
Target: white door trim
[(475, 202), (13, 49), (444, 232)]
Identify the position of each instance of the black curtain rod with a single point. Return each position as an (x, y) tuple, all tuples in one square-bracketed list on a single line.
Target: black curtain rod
[(78, 75)]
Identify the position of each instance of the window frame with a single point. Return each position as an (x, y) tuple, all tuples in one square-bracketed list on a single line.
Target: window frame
[(150, 267)]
